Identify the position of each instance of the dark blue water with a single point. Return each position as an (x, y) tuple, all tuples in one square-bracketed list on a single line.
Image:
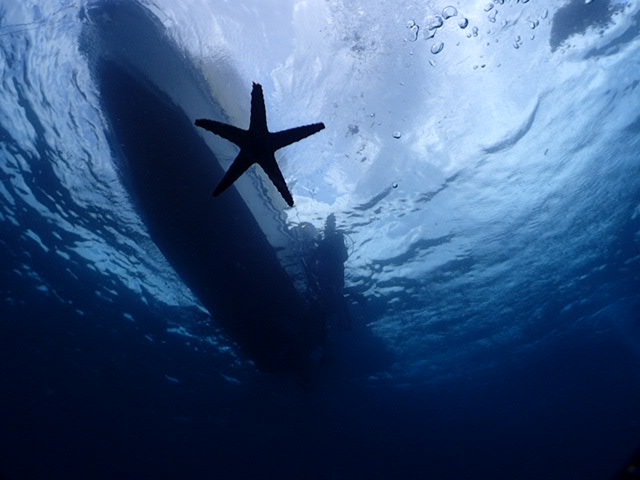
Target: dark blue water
[(494, 294)]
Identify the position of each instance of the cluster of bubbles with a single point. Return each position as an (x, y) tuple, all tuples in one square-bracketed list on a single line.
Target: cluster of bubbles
[(533, 24), (433, 24), (492, 13), (450, 14), (492, 10)]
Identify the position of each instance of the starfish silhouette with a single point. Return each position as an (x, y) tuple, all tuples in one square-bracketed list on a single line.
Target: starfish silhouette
[(257, 145)]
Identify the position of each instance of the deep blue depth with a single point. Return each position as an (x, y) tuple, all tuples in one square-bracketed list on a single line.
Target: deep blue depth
[(90, 393)]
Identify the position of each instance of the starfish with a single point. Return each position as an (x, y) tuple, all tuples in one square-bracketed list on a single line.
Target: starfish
[(257, 145)]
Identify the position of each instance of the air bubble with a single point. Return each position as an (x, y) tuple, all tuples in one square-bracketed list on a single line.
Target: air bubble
[(394, 184), (492, 16), (429, 34), (475, 31), (517, 42), (413, 32), (397, 135), (435, 22), (437, 47), (463, 22), (448, 12)]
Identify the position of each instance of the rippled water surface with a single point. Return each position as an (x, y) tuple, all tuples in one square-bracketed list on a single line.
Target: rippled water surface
[(482, 159)]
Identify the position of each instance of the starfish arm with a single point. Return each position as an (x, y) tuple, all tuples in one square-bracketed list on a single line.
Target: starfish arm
[(229, 132), (272, 170), (240, 165), (292, 135), (258, 111)]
